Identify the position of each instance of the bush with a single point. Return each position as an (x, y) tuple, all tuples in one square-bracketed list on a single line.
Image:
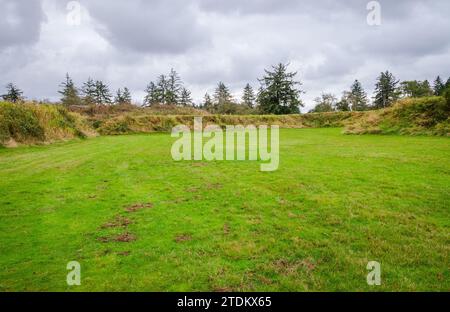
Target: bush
[(33, 123)]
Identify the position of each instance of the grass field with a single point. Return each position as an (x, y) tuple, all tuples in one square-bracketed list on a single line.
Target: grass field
[(137, 220)]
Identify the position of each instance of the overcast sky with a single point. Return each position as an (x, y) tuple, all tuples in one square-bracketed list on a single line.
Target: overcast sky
[(129, 43)]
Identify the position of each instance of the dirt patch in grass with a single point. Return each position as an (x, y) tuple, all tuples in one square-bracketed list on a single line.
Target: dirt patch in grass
[(214, 186), (124, 253), (118, 221), (139, 206), (226, 229), (125, 237), (183, 238), (287, 267)]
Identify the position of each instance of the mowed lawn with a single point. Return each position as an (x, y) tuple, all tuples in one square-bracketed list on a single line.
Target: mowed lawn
[(138, 221)]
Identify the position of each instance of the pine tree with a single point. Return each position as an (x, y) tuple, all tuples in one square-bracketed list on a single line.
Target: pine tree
[(162, 87), (174, 88), (122, 96), (438, 86), (357, 97), (69, 92), (248, 97), (102, 93), (126, 96), (207, 102), (152, 97), (222, 94), (279, 93), (88, 91), (13, 93), (386, 91), (185, 98)]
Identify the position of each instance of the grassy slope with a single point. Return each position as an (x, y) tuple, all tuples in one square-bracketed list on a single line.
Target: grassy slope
[(335, 203)]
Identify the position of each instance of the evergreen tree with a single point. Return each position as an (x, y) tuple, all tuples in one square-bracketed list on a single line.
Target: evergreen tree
[(174, 88), (207, 102), (325, 103), (279, 93), (162, 87), (447, 84), (386, 91), (152, 97), (102, 93), (13, 93), (123, 96), (88, 91), (248, 97), (438, 86), (126, 96), (357, 97), (69, 92), (222, 94), (185, 98)]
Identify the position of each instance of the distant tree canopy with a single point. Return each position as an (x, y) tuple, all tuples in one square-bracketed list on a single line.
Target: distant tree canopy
[(325, 103), (69, 92), (438, 86), (13, 93), (186, 99), (416, 88), (386, 90), (222, 94), (207, 102), (122, 96), (102, 95), (167, 90), (248, 96), (279, 92)]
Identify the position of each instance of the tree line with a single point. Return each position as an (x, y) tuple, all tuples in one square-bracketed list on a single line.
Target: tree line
[(279, 93), (387, 90)]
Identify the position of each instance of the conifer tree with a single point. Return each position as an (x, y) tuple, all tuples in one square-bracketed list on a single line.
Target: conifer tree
[(13, 93), (279, 93), (69, 92), (102, 93), (438, 86), (222, 94), (386, 90), (357, 97), (248, 97), (185, 98), (207, 102), (88, 91), (152, 97), (173, 88)]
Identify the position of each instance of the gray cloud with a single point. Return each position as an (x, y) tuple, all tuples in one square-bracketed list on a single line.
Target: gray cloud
[(20, 23), (148, 26)]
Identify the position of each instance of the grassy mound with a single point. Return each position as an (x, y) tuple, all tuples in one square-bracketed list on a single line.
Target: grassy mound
[(29, 123), (142, 123), (413, 116)]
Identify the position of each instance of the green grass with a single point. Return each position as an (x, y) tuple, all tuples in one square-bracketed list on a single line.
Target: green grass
[(335, 203)]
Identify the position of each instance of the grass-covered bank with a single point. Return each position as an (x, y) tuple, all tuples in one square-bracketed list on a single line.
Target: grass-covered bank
[(137, 220), (31, 123), (27, 123)]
